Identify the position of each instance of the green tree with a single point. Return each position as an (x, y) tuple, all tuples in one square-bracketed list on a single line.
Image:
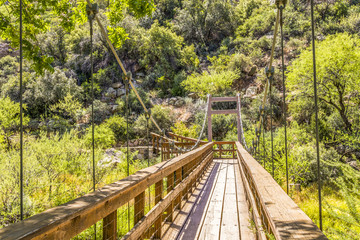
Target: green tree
[(338, 65), (39, 15), (210, 83)]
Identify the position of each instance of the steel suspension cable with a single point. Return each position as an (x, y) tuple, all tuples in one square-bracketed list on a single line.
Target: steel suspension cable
[(127, 109), (21, 116), (201, 132), (271, 130), (241, 125), (147, 116), (284, 100), (103, 32), (91, 14), (316, 112), (264, 146)]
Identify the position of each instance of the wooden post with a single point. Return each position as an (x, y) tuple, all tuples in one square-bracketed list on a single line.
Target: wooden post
[(209, 120), (178, 178), (169, 187), (238, 117), (233, 146), (139, 207), (158, 196), (220, 149), (110, 226)]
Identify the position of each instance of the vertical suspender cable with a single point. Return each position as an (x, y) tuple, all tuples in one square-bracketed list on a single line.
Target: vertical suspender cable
[(271, 130), (21, 117), (316, 112), (92, 106), (148, 149), (284, 99), (92, 99), (264, 147), (127, 109)]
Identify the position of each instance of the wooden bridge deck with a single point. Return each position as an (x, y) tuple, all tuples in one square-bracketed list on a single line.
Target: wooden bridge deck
[(217, 209)]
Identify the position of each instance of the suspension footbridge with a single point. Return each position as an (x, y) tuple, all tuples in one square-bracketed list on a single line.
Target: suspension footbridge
[(199, 190)]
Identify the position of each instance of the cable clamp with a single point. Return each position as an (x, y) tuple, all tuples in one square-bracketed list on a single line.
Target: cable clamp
[(92, 10), (269, 72), (280, 3), (148, 114)]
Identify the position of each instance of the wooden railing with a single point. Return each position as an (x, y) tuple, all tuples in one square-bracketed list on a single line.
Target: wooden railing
[(224, 150), (180, 176), (273, 211)]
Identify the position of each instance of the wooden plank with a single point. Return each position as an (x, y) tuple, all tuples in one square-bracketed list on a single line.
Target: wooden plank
[(158, 196), (230, 111), (183, 221), (211, 226), (195, 220), (223, 99), (110, 226), (139, 207), (70, 219), (285, 219), (229, 223), (243, 208)]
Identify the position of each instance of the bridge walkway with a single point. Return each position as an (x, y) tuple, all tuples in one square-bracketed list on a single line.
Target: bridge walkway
[(217, 209)]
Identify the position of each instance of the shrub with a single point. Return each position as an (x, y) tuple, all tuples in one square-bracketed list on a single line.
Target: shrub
[(104, 137), (117, 124)]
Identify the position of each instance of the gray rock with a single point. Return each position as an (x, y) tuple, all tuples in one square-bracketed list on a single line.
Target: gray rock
[(172, 101), (120, 92), (193, 95), (179, 103), (354, 165), (250, 92), (114, 107), (111, 158), (116, 85), (111, 93)]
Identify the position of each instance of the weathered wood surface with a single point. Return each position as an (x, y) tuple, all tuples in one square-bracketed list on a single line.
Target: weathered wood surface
[(70, 219), (183, 139), (284, 218), (160, 207), (216, 211), (223, 99), (181, 219)]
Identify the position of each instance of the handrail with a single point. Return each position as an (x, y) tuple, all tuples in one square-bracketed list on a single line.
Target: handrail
[(219, 149), (70, 219), (279, 214), (182, 138)]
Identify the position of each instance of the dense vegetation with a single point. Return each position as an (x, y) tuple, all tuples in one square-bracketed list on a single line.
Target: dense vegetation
[(184, 49)]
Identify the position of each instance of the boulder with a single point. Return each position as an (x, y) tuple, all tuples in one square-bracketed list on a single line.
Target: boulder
[(111, 93), (193, 95), (114, 108), (120, 92), (179, 103), (116, 85), (250, 91), (354, 165), (172, 101), (111, 158)]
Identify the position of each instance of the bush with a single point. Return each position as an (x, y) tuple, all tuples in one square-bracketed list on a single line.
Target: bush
[(104, 137), (117, 124), (101, 111)]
